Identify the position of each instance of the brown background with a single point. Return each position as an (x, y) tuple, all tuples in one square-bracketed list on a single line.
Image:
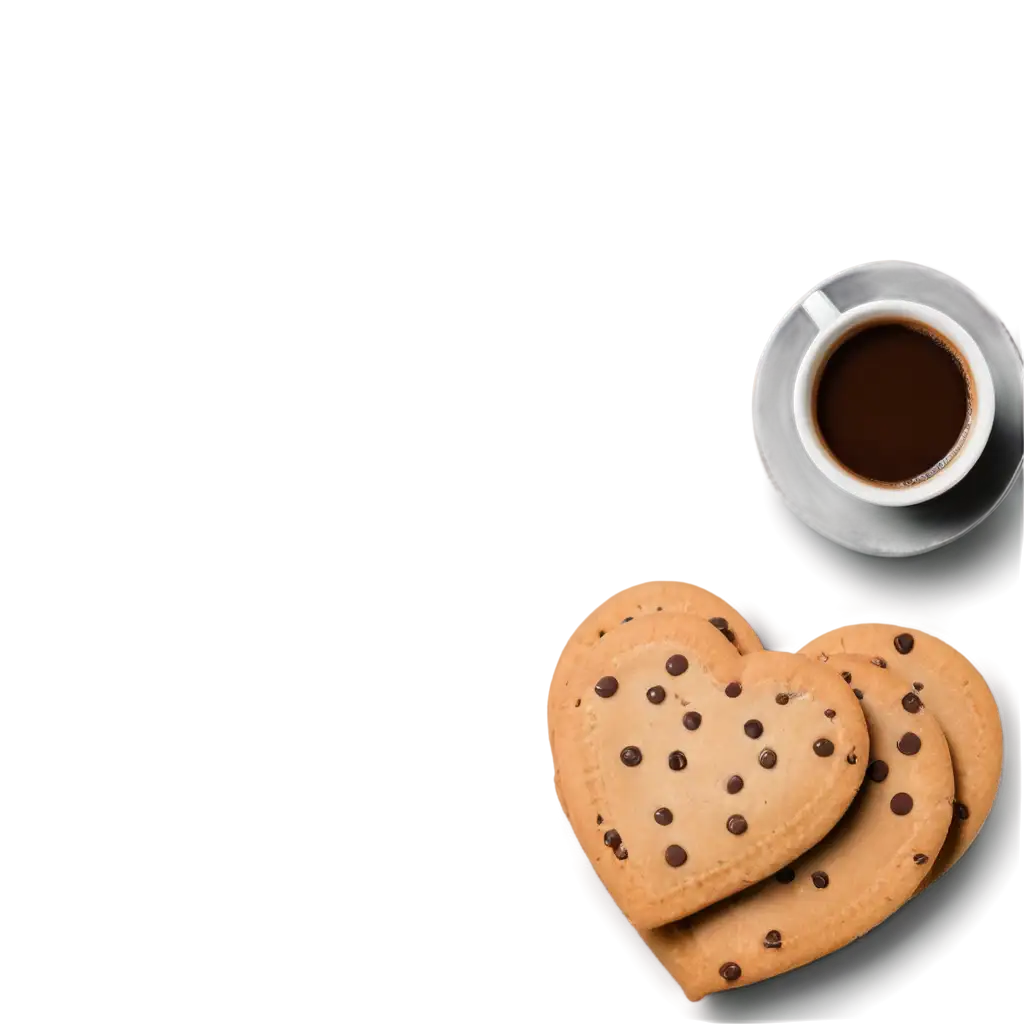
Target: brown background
[(342, 357)]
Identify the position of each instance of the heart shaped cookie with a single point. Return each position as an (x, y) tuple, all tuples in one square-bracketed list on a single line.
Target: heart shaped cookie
[(863, 871), (690, 772), (940, 678), (627, 605)]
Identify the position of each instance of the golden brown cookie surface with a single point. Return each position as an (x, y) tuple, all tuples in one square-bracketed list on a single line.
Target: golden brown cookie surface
[(689, 772), (950, 687), (864, 869)]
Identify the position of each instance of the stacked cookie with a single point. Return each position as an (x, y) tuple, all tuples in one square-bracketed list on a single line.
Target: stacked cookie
[(751, 811)]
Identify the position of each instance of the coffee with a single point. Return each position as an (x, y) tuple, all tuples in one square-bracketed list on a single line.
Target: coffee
[(892, 402)]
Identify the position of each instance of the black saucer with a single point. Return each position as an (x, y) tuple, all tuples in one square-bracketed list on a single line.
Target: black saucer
[(856, 524)]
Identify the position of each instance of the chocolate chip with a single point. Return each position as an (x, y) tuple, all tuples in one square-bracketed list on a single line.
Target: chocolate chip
[(600, 820), (920, 858), (656, 694), (880, 662), (631, 756), (904, 643), (719, 623), (847, 677), (767, 758), (918, 686), (677, 760), (851, 758), (730, 971), (628, 618), (878, 771), (729, 635), (676, 665), (960, 810), (773, 940), (820, 879), (824, 747), (663, 816), (692, 720), (753, 728), (675, 856), (736, 824), (859, 694), (909, 743), (829, 713), (612, 839), (621, 852), (600, 634), (782, 698), (785, 876), (735, 784), (578, 702), (912, 703), (606, 686), (901, 804), (733, 690)]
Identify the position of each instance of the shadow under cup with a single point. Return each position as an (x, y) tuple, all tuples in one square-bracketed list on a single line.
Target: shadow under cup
[(893, 402)]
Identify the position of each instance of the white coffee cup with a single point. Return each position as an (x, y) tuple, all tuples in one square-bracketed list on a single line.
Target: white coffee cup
[(833, 328)]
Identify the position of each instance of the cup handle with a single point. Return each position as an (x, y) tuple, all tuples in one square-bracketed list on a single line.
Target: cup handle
[(818, 306)]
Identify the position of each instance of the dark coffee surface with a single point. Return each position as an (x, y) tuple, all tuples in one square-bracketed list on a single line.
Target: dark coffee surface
[(891, 402)]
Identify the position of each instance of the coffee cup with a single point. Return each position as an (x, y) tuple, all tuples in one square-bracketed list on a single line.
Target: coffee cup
[(894, 402), (887, 407)]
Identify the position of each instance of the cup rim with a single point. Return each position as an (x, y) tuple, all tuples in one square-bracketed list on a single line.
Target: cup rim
[(979, 430)]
